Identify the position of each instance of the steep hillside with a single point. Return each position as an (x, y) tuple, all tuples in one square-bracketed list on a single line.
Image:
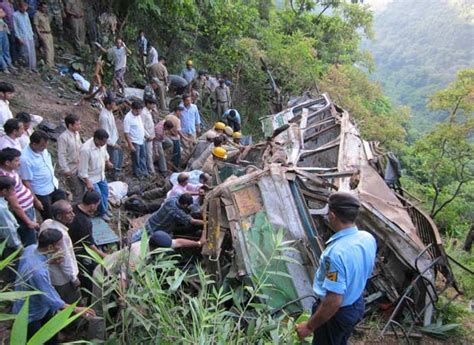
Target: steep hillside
[(418, 47)]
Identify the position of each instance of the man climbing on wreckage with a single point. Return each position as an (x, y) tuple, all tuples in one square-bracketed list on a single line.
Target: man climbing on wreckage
[(345, 265)]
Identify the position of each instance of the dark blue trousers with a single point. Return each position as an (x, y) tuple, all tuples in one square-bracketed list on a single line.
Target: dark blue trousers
[(339, 328)]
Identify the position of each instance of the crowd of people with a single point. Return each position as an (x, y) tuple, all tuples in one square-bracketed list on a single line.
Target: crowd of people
[(46, 207)]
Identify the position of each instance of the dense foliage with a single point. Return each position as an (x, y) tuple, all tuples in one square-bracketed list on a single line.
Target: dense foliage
[(418, 48)]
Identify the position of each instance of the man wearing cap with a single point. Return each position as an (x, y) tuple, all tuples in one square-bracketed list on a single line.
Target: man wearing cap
[(213, 132), (188, 72), (232, 119), (236, 137), (339, 283), (218, 154)]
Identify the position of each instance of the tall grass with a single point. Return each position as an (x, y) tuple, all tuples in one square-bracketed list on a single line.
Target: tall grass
[(164, 303)]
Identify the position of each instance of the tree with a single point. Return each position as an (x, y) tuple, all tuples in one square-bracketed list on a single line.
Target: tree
[(443, 161)]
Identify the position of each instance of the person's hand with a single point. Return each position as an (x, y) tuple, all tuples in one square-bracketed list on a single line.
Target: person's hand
[(132, 148), (89, 186), (109, 165), (38, 205), (76, 283), (86, 312), (32, 225), (68, 174), (303, 330)]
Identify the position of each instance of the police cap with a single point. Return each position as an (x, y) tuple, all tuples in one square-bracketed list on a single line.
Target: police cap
[(342, 200)]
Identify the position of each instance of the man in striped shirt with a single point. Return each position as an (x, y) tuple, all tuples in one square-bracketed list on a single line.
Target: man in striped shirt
[(21, 202)]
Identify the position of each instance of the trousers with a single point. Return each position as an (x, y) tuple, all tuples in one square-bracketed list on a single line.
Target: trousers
[(160, 148), (139, 160), (5, 59), (27, 51), (162, 95), (149, 157), (338, 329), (103, 189), (116, 157), (78, 31), (47, 45), (27, 235)]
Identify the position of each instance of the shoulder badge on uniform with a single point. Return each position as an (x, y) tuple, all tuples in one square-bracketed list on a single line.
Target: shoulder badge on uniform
[(327, 263), (332, 276)]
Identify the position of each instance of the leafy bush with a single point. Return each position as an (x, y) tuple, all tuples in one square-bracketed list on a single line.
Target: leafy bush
[(183, 304)]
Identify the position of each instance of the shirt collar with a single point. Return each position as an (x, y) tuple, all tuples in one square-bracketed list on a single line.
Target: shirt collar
[(341, 233), (35, 153), (59, 225)]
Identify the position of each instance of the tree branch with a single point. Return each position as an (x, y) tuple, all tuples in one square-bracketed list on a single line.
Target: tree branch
[(321, 13), (452, 116), (458, 189)]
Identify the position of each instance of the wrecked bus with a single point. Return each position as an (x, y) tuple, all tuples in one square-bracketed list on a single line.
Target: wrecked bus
[(312, 149)]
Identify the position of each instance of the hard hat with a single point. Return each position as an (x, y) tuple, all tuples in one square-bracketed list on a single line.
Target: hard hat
[(219, 152), (189, 62), (228, 130), (219, 125), (210, 135), (237, 135)]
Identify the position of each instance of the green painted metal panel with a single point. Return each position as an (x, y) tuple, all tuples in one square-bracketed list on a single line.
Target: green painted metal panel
[(260, 247)]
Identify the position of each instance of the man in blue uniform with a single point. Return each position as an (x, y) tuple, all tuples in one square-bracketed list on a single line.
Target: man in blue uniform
[(345, 265)]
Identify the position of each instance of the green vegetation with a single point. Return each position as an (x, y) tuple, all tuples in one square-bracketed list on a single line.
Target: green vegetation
[(418, 48), (162, 301)]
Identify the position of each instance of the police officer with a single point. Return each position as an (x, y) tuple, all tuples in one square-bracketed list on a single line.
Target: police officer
[(345, 265)]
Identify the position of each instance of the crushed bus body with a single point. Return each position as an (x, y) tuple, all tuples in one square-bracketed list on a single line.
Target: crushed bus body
[(313, 149)]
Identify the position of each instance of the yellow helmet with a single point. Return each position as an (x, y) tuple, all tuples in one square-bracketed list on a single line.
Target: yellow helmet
[(219, 125), (189, 62), (228, 130), (219, 152), (237, 135)]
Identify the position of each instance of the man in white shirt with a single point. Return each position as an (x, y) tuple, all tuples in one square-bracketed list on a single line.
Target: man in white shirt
[(135, 135), (69, 144), (149, 125), (93, 159), (13, 130), (107, 122), (152, 55), (7, 91), (118, 56), (64, 274)]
